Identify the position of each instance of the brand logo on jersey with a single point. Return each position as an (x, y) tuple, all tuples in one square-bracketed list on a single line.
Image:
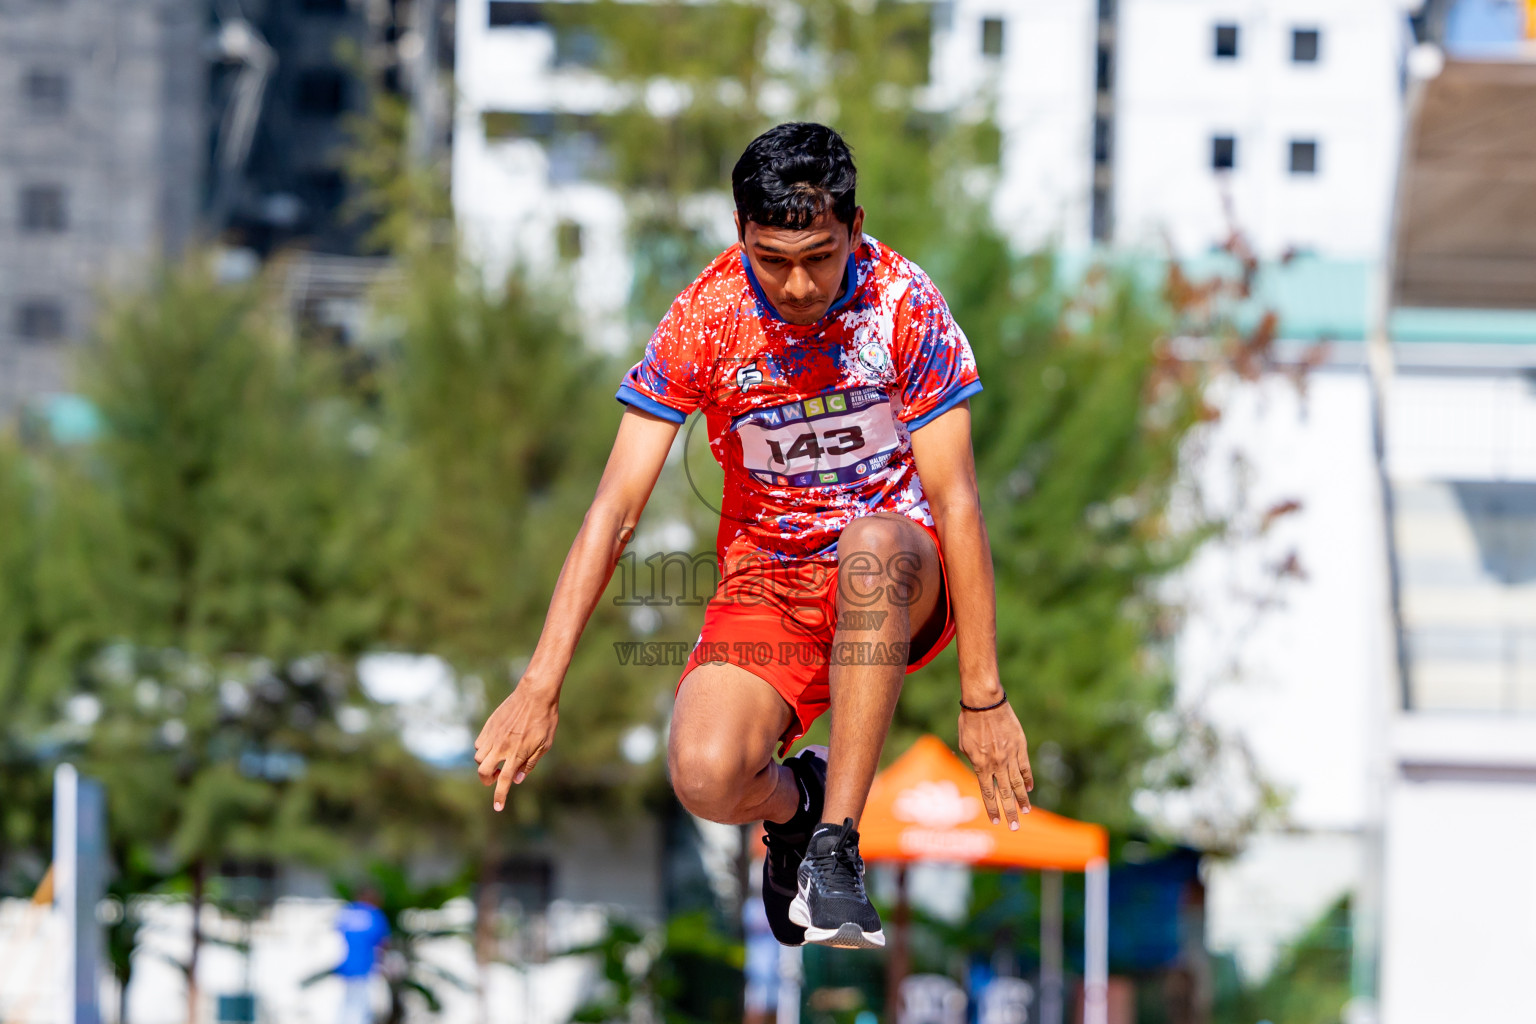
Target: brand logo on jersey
[(748, 376), (874, 357)]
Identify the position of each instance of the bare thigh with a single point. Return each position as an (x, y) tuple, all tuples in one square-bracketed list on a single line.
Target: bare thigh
[(908, 574)]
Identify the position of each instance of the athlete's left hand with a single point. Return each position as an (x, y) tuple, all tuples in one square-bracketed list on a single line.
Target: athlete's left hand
[(994, 741)]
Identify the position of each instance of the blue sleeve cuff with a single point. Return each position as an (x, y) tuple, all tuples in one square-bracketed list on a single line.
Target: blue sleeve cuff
[(645, 403), (949, 401)]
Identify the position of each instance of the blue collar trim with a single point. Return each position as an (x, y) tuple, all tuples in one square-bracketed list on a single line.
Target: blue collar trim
[(850, 285)]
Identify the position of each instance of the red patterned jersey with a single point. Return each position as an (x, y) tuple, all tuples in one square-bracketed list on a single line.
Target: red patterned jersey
[(811, 423)]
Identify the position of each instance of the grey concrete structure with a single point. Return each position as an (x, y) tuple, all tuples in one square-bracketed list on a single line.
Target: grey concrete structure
[(101, 154), (130, 129)]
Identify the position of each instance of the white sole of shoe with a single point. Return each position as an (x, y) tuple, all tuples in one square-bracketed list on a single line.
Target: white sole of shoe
[(845, 936)]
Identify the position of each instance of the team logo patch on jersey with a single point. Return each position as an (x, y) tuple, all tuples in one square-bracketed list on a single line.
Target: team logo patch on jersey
[(748, 376), (875, 358)]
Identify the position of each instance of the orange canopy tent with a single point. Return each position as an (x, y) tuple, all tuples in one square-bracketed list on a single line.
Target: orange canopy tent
[(927, 807)]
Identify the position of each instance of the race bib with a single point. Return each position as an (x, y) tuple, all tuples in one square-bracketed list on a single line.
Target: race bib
[(837, 438)]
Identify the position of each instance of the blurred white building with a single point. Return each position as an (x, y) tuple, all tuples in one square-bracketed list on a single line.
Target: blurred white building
[(1033, 63), (1278, 117), (523, 193), (1138, 123), (1392, 691), (1458, 775), (525, 166)]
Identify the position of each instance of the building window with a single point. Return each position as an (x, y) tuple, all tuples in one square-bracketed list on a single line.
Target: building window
[(322, 92), (577, 46), (42, 208), (47, 93), (575, 155), (1104, 69), (507, 14), (1304, 45), (322, 190), (1303, 156), (992, 37), (1223, 152), (501, 125), (1226, 42), (1418, 23), (1101, 139), (40, 320)]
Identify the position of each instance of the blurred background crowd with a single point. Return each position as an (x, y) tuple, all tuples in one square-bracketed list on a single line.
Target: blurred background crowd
[(311, 315)]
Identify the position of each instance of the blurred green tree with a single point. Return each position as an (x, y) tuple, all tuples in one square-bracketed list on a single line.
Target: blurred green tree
[(503, 421), (683, 972), (402, 197), (497, 419), (228, 532), (24, 814), (1078, 457), (50, 510), (1309, 983)]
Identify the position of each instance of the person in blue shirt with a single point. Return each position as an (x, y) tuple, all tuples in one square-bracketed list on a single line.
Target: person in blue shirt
[(364, 929)]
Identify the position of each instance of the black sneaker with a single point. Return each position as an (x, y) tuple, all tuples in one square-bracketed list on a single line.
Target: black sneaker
[(831, 904), (786, 843)]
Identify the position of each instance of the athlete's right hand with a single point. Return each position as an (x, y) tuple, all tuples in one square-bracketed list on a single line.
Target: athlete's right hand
[(519, 732)]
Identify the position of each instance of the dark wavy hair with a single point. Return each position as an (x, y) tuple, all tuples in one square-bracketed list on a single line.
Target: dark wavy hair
[(792, 174)]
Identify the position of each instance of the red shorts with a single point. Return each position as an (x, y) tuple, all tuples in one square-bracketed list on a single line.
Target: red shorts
[(778, 621)]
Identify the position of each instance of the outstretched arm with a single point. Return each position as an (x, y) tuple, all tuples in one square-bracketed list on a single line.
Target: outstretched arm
[(522, 728), (993, 740)]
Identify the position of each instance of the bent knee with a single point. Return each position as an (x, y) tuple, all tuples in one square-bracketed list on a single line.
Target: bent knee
[(879, 558), (710, 780), (880, 536)]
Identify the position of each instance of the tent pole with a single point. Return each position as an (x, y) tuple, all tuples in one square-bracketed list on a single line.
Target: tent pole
[(897, 961), (1096, 944), (1050, 947)]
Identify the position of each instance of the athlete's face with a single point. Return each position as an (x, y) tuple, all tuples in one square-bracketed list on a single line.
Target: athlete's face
[(801, 271)]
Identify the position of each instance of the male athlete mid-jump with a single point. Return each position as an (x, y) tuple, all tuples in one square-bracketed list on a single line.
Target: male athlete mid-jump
[(851, 542)]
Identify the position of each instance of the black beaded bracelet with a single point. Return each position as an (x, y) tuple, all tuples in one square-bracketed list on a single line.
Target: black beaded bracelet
[(966, 707)]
